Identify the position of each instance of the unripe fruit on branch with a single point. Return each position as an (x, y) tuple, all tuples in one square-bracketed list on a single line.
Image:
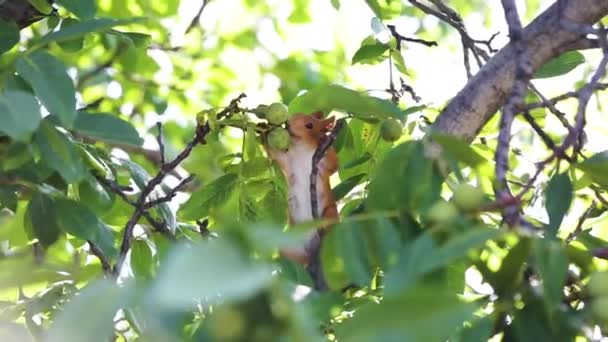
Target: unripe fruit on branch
[(391, 129), (276, 113), (278, 139), (468, 197), (260, 111), (598, 284), (442, 212)]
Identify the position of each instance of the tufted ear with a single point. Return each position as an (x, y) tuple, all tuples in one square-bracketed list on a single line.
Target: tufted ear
[(317, 115)]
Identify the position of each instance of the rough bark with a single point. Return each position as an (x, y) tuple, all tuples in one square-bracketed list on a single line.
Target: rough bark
[(545, 38)]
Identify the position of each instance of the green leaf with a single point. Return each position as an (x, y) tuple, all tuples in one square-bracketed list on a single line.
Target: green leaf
[(234, 277), (51, 84), (74, 322), (352, 251), (421, 314), (479, 330), (107, 127), (334, 97), (346, 186), (359, 161), (9, 35), (212, 195), (76, 219), (385, 9), (423, 256), (142, 260), (560, 65), (273, 206), (42, 218), (559, 197), (405, 180), (399, 62), (335, 4), (95, 196), (508, 278), (72, 45), (552, 263), (83, 9), (251, 144), (84, 27), (596, 167), (19, 114), (459, 150), (370, 53), (59, 153), (41, 6)]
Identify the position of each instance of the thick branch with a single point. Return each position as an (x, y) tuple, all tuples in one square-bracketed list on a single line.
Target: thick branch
[(486, 92)]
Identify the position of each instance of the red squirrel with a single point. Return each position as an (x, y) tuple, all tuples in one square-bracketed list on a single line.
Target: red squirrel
[(306, 132)]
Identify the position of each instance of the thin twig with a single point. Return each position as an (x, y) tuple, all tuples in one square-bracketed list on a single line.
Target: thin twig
[(523, 72), (401, 38), (170, 194), (579, 225), (105, 263), (197, 17), (325, 144), (140, 209), (161, 144)]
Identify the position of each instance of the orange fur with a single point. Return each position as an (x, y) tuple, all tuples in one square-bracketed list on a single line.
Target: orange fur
[(296, 163)]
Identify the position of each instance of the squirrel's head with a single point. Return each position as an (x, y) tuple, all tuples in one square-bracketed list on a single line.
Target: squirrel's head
[(309, 127)]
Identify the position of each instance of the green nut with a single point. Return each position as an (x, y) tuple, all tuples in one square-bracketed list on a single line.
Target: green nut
[(468, 197), (391, 129), (442, 212), (260, 111), (279, 139), (276, 113)]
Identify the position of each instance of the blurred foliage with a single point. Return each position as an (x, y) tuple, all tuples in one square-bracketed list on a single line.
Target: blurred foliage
[(408, 262)]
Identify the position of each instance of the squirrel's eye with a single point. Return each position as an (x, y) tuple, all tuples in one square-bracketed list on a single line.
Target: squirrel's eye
[(309, 125)]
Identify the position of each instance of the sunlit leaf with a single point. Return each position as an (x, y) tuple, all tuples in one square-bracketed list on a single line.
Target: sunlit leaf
[(459, 150), (84, 27), (212, 195), (342, 189), (334, 97), (597, 168), (51, 83), (561, 65), (42, 218), (559, 197), (369, 54), (84, 9), (19, 114), (72, 45), (107, 127), (552, 264), (58, 152)]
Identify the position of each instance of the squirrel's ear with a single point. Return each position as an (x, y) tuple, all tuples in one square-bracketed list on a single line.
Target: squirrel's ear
[(317, 115)]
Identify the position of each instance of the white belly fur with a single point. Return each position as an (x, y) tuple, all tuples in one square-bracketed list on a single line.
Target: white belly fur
[(299, 189)]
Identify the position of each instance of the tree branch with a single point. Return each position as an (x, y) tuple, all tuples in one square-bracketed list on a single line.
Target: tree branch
[(544, 38), (140, 204)]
